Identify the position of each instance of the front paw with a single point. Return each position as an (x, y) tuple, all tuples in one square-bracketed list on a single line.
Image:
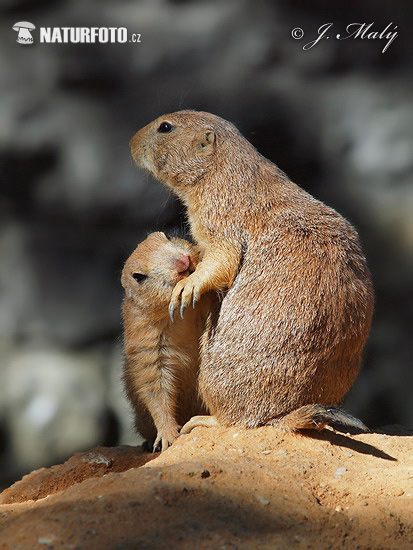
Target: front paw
[(186, 291)]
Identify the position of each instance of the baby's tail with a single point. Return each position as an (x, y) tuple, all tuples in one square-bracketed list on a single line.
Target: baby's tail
[(316, 417)]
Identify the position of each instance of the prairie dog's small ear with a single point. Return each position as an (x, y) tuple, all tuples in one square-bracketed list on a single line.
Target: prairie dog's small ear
[(210, 137), (205, 140)]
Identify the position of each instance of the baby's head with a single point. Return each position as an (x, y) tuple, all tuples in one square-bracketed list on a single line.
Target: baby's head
[(155, 266)]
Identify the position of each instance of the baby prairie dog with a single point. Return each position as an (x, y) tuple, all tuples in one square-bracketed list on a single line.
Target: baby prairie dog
[(288, 341), (161, 356)]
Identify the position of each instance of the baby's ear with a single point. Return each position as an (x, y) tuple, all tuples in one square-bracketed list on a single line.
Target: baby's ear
[(204, 141)]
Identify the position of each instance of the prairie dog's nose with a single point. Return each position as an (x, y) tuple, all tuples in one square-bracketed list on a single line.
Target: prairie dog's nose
[(182, 263), (136, 139), (133, 141)]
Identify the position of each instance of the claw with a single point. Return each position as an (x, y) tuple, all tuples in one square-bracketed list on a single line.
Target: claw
[(195, 299), (171, 310), (182, 310)]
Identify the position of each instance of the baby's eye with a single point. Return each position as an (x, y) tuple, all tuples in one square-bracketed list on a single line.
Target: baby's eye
[(165, 127), (139, 277)]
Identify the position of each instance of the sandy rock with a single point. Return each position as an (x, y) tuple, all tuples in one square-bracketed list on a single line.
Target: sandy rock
[(93, 464), (214, 490)]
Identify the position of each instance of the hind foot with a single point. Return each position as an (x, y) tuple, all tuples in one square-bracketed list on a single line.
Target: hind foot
[(197, 421)]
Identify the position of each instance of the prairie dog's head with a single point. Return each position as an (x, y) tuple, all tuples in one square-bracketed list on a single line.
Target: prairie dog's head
[(180, 148), (155, 266)]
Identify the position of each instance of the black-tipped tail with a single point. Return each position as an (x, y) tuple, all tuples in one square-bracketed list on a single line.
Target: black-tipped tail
[(317, 417), (332, 415)]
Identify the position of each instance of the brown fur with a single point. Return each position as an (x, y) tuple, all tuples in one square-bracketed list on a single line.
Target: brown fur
[(292, 328), (161, 357)]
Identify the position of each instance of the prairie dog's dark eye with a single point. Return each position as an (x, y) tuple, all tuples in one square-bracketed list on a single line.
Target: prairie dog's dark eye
[(165, 127), (139, 277)]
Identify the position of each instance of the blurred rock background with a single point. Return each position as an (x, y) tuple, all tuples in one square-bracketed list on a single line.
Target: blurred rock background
[(337, 118)]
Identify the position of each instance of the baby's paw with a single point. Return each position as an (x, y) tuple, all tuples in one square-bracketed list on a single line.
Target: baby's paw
[(165, 439)]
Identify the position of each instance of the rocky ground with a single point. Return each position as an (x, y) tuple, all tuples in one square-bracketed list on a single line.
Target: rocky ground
[(222, 488)]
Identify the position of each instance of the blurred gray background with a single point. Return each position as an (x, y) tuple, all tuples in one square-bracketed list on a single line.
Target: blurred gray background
[(337, 118)]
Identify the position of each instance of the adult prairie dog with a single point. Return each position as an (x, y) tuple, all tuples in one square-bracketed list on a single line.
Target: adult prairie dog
[(161, 356), (292, 328)]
